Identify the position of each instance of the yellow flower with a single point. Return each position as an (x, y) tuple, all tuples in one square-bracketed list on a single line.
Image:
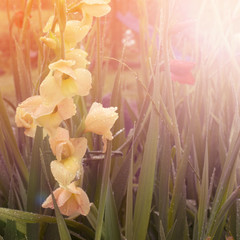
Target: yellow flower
[(64, 81), (33, 111), (60, 144), (63, 147), (24, 115), (24, 119), (74, 32), (69, 153), (50, 120), (71, 201), (96, 8), (65, 171), (100, 120), (79, 56), (93, 8)]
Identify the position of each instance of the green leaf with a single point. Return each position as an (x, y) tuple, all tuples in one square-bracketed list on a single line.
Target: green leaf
[(203, 196), (178, 202), (224, 210), (112, 226), (164, 171), (129, 197), (225, 182), (92, 216), (10, 231), (162, 233), (146, 180), (27, 217), (4, 182), (11, 141), (34, 184), (104, 186), (62, 227)]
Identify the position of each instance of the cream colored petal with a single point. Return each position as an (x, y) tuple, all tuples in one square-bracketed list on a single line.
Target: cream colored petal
[(48, 203), (25, 114), (58, 141), (50, 122), (73, 188), (50, 91), (66, 108), (69, 87), (54, 88), (31, 104), (83, 202), (23, 119), (63, 147), (63, 197), (100, 120), (81, 198), (75, 31), (43, 110), (58, 76), (63, 66), (97, 10), (64, 150), (80, 147), (83, 81), (79, 56), (61, 135), (65, 171), (30, 132), (70, 207), (71, 201), (35, 107)]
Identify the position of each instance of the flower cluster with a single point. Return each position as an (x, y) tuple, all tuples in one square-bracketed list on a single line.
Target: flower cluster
[(67, 78)]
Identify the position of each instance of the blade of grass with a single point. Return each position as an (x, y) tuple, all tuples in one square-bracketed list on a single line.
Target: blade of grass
[(4, 182), (34, 184), (103, 194), (161, 232), (224, 210), (164, 171), (111, 223), (203, 196), (129, 197), (146, 179), (10, 231), (11, 228), (178, 193), (26, 217), (224, 182), (10, 138), (92, 216)]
